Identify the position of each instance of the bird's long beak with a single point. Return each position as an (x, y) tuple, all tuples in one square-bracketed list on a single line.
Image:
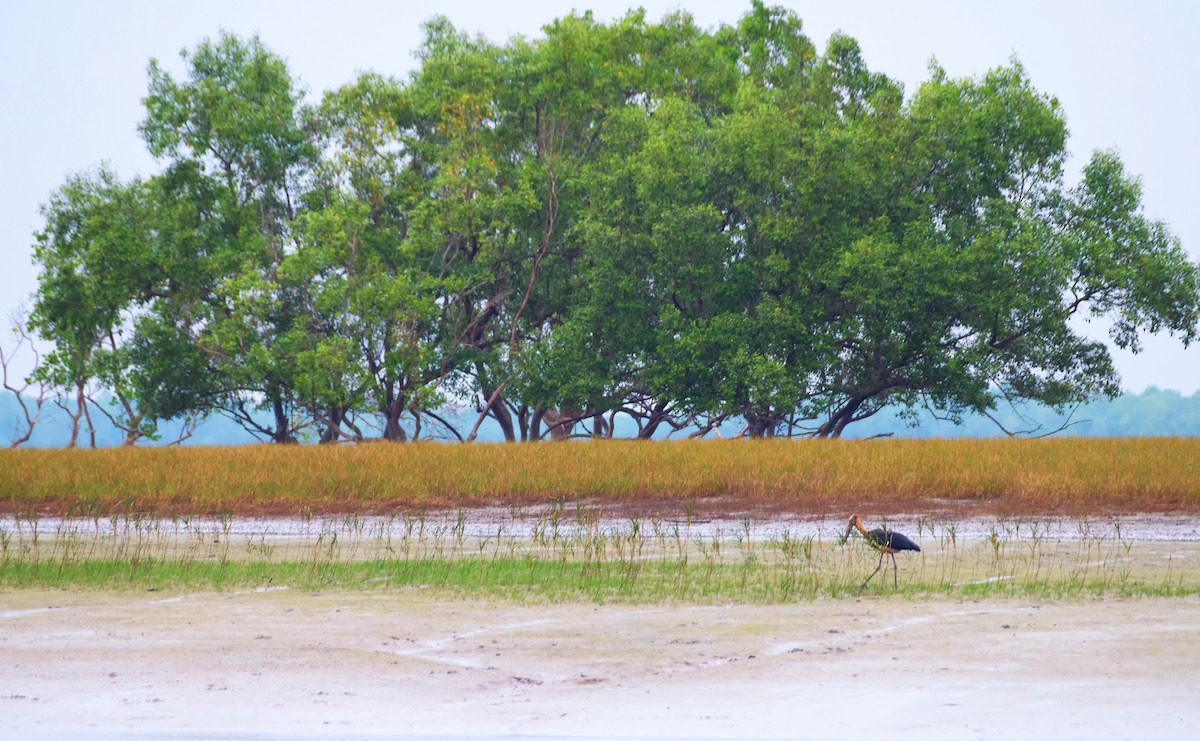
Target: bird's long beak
[(846, 535)]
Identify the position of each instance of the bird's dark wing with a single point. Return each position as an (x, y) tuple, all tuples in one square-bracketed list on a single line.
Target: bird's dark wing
[(898, 542), (878, 537)]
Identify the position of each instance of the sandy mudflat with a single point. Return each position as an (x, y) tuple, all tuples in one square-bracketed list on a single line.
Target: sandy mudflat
[(411, 664)]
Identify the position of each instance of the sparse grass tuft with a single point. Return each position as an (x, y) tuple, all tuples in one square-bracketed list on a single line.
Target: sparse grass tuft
[(577, 555)]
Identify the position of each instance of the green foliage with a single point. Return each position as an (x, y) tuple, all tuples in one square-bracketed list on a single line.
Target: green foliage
[(95, 266), (678, 224)]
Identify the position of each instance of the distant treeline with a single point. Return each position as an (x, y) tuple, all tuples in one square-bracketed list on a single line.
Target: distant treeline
[(633, 228), (1154, 412)]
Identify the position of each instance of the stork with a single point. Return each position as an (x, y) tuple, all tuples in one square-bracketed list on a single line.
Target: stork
[(883, 540)]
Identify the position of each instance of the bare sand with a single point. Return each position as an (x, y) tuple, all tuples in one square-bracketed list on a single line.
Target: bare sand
[(415, 663)]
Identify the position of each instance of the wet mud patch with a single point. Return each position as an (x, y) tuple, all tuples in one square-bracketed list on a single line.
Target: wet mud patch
[(415, 663)]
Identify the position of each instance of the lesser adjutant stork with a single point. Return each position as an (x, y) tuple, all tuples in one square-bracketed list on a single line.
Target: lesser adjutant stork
[(883, 540)]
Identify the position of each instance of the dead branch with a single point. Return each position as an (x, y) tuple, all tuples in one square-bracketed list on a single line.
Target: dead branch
[(23, 429)]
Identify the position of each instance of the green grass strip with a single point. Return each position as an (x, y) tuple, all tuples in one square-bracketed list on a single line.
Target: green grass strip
[(547, 580)]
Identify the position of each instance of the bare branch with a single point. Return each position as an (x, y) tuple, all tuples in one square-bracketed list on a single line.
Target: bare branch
[(487, 408), (190, 422), (23, 431), (1038, 428), (444, 423)]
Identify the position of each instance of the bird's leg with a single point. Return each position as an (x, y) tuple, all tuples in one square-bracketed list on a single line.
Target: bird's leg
[(895, 579), (873, 573)]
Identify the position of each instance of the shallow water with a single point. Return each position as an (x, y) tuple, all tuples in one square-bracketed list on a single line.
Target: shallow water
[(477, 525), (487, 522)]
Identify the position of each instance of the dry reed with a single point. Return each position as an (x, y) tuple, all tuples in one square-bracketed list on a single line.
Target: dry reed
[(1065, 476)]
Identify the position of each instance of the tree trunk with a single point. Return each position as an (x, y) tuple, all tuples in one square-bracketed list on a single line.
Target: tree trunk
[(392, 430), (561, 422), (501, 414), (133, 433), (657, 416), (522, 415), (535, 425), (76, 416), (600, 426), (489, 410), (832, 428), (332, 423), (91, 427), (761, 425), (283, 426)]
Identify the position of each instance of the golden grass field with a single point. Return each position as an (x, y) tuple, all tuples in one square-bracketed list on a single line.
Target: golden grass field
[(1058, 476)]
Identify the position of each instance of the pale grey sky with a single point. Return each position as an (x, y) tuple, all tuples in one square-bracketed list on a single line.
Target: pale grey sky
[(72, 75)]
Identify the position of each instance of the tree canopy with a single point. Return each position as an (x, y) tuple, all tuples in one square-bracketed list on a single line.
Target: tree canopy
[(679, 225)]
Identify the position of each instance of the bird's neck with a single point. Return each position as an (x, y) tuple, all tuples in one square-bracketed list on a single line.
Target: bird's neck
[(858, 524)]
